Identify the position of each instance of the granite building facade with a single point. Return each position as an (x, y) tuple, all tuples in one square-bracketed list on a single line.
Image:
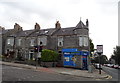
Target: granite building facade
[(22, 42)]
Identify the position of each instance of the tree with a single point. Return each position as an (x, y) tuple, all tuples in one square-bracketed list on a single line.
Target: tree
[(116, 55), (91, 46), (91, 50), (103, 59)]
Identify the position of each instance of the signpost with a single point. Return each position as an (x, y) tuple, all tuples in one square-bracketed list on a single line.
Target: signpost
[(99, 51)]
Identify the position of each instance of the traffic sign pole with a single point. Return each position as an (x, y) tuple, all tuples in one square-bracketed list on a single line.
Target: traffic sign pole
[(99, 51), (99, 63)]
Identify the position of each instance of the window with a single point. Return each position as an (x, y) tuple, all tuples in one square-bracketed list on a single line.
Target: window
[(19, 42), (60, 41), (83, 41), (80, 41), (10, 42), (32, 42), (43, 40)]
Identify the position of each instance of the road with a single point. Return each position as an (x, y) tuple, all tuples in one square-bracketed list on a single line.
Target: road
[(10, 73), (115, 73)]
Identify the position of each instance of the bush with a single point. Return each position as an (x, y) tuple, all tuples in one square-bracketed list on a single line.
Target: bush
[(49, 56)]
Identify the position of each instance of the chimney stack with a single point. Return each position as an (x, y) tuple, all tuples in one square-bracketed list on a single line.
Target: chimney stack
[(87, 23), (37, 26), (57, 25), (17, 27)]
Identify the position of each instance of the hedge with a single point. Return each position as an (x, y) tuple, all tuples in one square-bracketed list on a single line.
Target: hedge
[(49, 56)]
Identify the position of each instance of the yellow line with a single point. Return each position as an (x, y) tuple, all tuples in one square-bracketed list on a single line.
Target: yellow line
[(97, 79), (109, 77)]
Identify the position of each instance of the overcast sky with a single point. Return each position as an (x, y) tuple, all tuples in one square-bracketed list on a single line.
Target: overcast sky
[(102, 16)]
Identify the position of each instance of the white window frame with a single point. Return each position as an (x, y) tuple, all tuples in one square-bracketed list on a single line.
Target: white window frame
[(83, 41), (42, 39), (19, 42), (10, 41), (80, 41), (32, 42), (60, 39)]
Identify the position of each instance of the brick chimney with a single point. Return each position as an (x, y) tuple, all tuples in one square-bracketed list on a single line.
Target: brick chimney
[(2, 28), (57, 25), (37, 26), (17, 27)]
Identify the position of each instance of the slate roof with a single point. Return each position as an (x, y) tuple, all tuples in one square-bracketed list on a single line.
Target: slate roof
[(80, 25), (22, 33), (50, 31), (65, 31), (5, 31), (43, 32), (58, 32)]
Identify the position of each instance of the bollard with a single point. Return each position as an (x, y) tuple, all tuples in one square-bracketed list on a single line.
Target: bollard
[(90, 69)]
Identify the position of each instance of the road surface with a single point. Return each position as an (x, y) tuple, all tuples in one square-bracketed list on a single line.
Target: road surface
[(10, 73), (115, 73)]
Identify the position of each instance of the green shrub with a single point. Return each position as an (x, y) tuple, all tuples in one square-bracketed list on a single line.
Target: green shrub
[(49, 56)]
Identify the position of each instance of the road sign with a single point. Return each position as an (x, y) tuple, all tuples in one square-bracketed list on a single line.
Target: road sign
[(99, 48)]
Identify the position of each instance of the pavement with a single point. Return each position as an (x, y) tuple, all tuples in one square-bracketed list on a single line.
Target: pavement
[(62, 70)]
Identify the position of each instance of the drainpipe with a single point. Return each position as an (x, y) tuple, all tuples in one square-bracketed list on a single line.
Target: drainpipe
[(14, 49)]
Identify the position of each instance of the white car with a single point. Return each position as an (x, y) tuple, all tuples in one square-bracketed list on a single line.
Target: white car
[(116, 66), (110, 65)]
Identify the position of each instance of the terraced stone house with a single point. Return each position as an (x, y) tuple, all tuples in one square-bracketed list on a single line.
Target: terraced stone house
[(57, 38)]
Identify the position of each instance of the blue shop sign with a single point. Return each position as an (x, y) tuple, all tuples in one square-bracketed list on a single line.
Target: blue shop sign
[(70, 50), (85, 53)]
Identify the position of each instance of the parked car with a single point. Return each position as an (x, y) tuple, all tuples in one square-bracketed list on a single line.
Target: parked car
[(116, 66), (119, 67), (105, 64), (110, 65)]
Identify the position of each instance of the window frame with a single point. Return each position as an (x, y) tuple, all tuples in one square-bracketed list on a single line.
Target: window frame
[(60, 40), (83, 41)]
